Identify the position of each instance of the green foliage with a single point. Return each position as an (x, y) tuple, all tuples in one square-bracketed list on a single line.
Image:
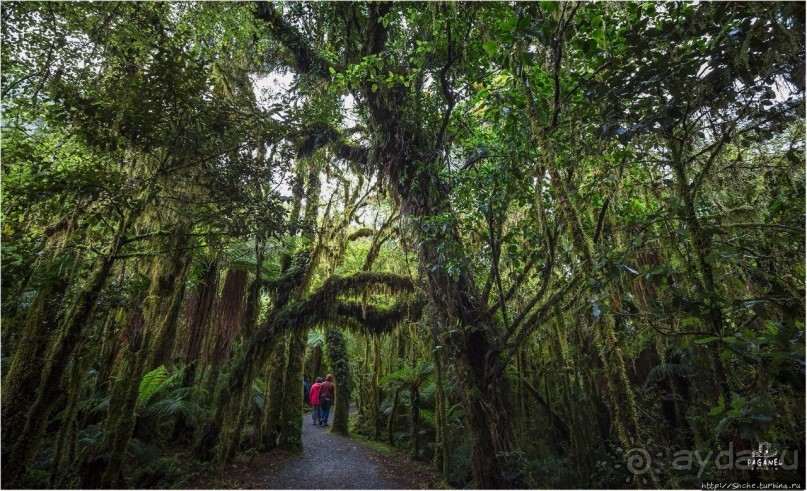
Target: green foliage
[(162, 399), (152, 383), (585, 204), (408, 376), (315, 340)]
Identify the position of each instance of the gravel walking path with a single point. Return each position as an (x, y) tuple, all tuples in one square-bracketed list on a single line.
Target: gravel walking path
[(327, 461), (330, 461)]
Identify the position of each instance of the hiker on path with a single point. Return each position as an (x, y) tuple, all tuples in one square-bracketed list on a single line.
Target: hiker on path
[(326, 396), (313, 396)]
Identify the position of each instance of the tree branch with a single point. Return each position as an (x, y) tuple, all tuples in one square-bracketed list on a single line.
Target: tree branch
[(306, 59)]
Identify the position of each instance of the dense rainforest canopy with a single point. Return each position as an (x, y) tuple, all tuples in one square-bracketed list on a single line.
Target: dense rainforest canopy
[(533, 242)]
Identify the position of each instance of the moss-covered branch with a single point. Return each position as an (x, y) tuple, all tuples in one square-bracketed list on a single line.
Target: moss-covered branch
[(374, 319), (324, 304)]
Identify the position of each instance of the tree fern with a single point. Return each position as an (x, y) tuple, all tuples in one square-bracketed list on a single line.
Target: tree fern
[(428, 416), (665, 370), (315, 340), (152, 382), (258, 393)]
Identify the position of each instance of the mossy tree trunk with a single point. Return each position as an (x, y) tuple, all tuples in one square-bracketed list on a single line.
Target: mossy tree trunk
[(377, 422), (273, 402), (201, 309), (64, 471), (291, 422), (120, 421), (393, 417), (161, 312), (24, 372), (48, 391), (168, 281), (337, 353), (442, 438), (414, 423)]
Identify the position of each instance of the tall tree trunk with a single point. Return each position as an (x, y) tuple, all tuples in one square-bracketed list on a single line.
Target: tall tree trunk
[(292, 392), (290, 418), (441, 455), (28, 441), (161, 311), (376, 389), (201, 308), (109, 348), (414, 423), (168, 281), (456, 300), (337, 353), (120, 421), (64, 471), (232, 302), (24, 373), (393, 416), (412, 168), (273, 403)]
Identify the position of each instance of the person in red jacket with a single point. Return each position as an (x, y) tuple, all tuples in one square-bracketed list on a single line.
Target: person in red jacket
[(313, 396), (326, 397)]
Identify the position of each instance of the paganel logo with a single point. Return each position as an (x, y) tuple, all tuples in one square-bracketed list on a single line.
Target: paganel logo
[(764, 458)]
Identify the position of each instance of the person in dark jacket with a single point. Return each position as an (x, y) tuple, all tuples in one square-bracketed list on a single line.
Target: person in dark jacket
[(326, 397)]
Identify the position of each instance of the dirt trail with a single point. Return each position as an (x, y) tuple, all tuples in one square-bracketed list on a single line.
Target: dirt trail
[(328, 461)]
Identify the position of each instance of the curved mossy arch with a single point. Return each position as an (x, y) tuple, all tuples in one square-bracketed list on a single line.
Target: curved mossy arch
[(324, 307)]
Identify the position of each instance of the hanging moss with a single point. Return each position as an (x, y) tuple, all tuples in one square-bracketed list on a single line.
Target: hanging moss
[(317, 308), (168, 280), (324, 304)]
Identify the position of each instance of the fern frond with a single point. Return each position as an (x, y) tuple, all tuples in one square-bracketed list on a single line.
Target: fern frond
[(152, 382), (428, 416), (315, 340), (665, 370)]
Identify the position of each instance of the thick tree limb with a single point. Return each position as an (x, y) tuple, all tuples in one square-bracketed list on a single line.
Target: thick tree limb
[(557, 420), (324, 303), (447, 93), (307, 60), (362, 232), (377, 320), (350, 153)]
